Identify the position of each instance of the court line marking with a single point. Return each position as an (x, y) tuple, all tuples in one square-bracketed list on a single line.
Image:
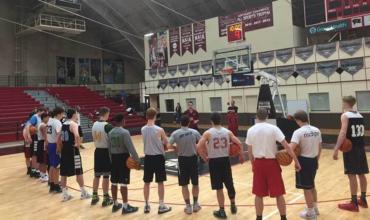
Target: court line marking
[(277, 210)]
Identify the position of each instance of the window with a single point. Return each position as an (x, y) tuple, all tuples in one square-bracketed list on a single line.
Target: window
[(170, 107), (216, 104), (251, 103), (277, 103), (193, 100), (363, 100), (319, 101)]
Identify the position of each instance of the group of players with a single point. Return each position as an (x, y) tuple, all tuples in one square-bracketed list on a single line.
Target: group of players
[(114, 146)]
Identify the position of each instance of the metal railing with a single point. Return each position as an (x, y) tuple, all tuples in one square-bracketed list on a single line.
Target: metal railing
[(61, 22)]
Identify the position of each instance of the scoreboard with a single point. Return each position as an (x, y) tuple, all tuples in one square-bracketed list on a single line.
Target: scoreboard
[(340, 9), (235, 32)]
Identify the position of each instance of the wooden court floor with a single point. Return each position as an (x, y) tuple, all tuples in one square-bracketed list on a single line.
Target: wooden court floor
[(26, 198)]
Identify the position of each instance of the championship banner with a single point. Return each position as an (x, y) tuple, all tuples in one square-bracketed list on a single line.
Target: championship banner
[(199, 31), (304, 52), (253, 19), (284, 72), (195, 80), (219, 64), (305, 70), (266, 57), (184, 81), (219, 79), (194, 67), (183, 68), (271, 70), (350, 47), (163, 83), (206, 65), (352, 66), (367, 42), (327, 68), (265, 100), (284, 55), (186, 39), (162, 71), (174, 41), (326, 50), (207, 80), (153, 73), (173, 83), (172, 70)]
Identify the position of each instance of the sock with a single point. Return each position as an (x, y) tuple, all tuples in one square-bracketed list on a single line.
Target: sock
[(233, 203), (259, 217), (124, 205), (95, 193), (106, 195), (354, 199), (195, 199), (314, 204), (187, 201), (283, 217), (82, 189), (65, 191), (222, 208), (363, 196), (146, 203)]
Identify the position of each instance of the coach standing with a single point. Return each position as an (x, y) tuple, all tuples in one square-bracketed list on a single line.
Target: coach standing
[(193, 116), (267, 179)]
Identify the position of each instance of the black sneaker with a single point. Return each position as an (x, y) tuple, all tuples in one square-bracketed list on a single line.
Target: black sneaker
[(51, 189), (220, 213), (129, 209), (116, 207), (28, 170), (94, 199), (32, 173), (233, 209), (107, 201), (57, 189), (146, 209), (36, 175)]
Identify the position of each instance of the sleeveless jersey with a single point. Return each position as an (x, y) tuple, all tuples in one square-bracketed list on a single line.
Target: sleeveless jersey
[(99, 134), (68, 138), (152, 141), (53, 127), (39, 133), (355, 129), (219, 143)]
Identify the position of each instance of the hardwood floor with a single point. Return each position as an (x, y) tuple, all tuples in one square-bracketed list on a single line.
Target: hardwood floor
[(26, 198)]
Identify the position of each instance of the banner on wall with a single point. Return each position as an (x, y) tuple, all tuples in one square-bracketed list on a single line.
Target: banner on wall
[(158, 56), (352, 66), (266, 57), (174, 41), (153, 73), (162, 71), (271, 70), (327, 68), (173, 83), (206, 65), (284, 72), (305, 70), (326, 50), (199, 32), (304, 52), (61, 70), (163, 83), (219, 79), (183, 68), (96, 70), (207, 80), (113, 71), (186, 39), (84, 70), (194, 67), (184, 81), (350, 46), (253, 18), (195, 80), (172, 70), (284, 55)]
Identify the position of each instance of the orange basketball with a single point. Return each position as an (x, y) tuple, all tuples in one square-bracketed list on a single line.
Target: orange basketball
[(297, 150), (346, 146), (132, 164), (234, 150), (283, 158), (33, 130)]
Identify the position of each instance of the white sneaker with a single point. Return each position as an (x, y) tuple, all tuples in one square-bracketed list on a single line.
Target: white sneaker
[(196, 207), (44, 178), (317, 211), (85, 195), (188, 209), (67, 197), (308, 214)]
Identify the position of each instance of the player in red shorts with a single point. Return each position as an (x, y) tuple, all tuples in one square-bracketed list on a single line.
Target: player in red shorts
[(193, 116), (267, 179), (232, 121)]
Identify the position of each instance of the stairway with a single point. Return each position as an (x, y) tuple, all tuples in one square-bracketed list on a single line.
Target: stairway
[(50, 102)]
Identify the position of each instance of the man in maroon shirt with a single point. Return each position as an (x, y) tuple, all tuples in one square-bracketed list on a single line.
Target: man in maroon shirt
[(193, 116)]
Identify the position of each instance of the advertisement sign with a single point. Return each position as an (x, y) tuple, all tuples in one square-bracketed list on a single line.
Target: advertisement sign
[(330, 27)]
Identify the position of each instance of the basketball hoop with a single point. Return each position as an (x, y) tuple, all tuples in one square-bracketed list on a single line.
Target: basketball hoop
[(227, 71)]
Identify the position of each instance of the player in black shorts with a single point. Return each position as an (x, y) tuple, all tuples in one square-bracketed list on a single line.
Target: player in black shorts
[(355, 161), (71, 163)]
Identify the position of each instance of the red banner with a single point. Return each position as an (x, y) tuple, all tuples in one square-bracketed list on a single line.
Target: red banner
[(253, 18), (186, 39), (199, 31), (339, 9), (174, 41)]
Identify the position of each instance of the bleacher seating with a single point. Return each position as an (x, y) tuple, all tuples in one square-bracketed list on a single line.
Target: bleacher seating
[(90, 102), (15, 108)]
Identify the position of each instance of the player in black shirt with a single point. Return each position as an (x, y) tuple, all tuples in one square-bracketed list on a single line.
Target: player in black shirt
[(355, 162)]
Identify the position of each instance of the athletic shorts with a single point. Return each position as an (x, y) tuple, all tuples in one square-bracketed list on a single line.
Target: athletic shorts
[(80, 131), (42, 157), (70, 161), (54, 158), (188, 170), (220, 172), (267, 179), (154, 164), (355, 161), (305, 178), (120, 174), (102, 164), (27, 150)]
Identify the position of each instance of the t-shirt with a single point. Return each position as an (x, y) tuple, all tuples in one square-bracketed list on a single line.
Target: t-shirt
[(152, 140), (219, 142), (186, 140), (193, 116), (308, 138), (263, 137), (100, 130), (120, 142), (53, 127)]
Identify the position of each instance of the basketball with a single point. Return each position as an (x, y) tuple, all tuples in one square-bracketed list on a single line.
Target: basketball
[(297, 150), (283, 158), (33, 130), (132, 164), (234, 150), (346, 146)]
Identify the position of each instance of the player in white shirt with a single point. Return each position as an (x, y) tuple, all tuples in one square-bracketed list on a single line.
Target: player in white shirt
[(53, 130), (214, 147), (308, 138), (267, 180)]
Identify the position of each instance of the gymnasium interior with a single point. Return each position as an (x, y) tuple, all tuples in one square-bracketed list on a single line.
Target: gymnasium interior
[(132, 55)]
